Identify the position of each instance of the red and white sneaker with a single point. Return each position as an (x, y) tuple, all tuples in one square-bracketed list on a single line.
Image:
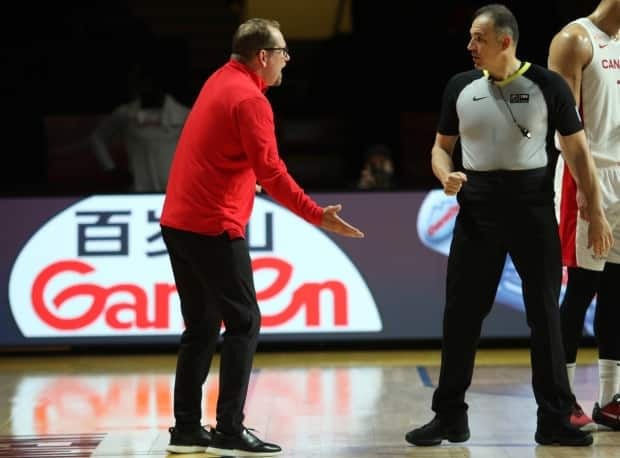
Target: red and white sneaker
[(609, 414), (579, 419)]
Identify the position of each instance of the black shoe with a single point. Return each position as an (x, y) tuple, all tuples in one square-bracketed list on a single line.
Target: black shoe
[(561, 433), (243, 444), (189, 441), (609, 414), (439, 429)]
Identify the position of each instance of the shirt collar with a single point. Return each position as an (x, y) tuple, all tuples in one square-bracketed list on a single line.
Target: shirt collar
[(521, 70), (251, 73)]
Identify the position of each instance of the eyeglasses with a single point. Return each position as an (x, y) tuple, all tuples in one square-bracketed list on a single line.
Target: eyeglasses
[(285, 52)]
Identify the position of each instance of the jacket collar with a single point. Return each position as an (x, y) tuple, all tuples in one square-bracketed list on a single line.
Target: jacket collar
[(260, 83)]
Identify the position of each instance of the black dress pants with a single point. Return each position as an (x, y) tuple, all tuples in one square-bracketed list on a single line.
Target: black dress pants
[(485, 232), (213, 276)]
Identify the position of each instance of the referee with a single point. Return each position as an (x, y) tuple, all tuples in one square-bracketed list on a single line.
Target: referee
[(506, 112)]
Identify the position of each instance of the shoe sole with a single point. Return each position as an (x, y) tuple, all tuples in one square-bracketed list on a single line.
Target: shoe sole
[(450, 438), (570, 443), (235, 452), (613, 425), (603, 427), (588, 427), (185, 449)]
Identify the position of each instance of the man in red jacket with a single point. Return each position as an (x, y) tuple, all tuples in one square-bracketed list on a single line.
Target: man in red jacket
[(227, 145)]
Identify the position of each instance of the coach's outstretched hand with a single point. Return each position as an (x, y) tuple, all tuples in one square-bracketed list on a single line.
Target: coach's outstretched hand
[(334, 223)]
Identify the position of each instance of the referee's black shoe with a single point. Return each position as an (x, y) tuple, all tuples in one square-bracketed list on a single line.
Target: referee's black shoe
[(453, 429), (561, 432)]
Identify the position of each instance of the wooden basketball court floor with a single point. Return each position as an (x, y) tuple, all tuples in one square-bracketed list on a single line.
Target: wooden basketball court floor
[(329, 404)]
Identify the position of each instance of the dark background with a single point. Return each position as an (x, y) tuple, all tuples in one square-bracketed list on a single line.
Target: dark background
[(64, 64)]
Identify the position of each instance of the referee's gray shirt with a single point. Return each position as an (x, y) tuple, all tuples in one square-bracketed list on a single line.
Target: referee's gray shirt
[(487, 115)]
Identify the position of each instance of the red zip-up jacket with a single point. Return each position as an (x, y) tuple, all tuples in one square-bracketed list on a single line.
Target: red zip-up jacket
[(228, 143)]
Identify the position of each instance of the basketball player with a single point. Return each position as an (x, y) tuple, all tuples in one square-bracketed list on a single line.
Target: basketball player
[(586, 52)]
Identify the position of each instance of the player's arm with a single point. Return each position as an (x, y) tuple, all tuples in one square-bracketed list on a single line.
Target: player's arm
[(443, 166), (569, 53), (581, 165)]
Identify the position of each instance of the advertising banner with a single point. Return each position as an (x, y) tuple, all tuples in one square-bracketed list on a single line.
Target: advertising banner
[(94, 270)]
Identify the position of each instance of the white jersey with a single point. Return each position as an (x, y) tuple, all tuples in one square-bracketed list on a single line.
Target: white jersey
[(600, 96), (600, 107), (150, 137)]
